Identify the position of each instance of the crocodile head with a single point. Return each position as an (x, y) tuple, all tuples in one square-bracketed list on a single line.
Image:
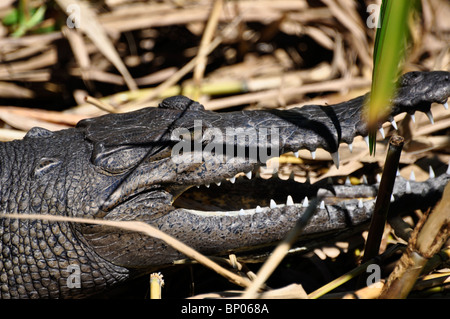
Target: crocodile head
[(148, 164)]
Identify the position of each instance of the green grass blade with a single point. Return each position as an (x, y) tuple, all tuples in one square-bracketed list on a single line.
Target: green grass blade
[(389, 51)]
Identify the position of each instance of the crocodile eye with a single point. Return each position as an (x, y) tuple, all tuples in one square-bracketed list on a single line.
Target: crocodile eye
[(44, 165), (117, 159)]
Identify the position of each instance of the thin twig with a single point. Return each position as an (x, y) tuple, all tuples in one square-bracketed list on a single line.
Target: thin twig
[(101, 105)]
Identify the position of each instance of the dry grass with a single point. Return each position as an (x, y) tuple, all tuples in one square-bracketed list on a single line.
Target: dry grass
[(227, 54)]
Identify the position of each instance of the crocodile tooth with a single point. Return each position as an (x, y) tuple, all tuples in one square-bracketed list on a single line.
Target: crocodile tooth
[(448, 169), (412, 176), (378, 178), (207, 185), (394, 125), (241, 212), (430, 117), (218, 183), (305, 202), (335, 157), (350, 147), (347, 181), (233, 179), (313, 154), (360, 203), (322, 205), (398, 173), (198, 186), (258, 209), (445, 105), (392, 198), (249, 174), (272, 204), (364, 178), (408, 187), (289, 201), (413, 118), (382, 132), (296, 154), (366, 139), (431, 172)]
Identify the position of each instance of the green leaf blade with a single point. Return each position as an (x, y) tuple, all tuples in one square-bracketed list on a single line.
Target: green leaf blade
[(389, 50)]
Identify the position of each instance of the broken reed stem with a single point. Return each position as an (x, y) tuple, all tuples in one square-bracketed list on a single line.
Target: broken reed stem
[(156, 284), (383, 198), (280, 251), (430, 234)]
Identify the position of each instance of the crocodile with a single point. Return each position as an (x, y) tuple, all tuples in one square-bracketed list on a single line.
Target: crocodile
[(147, 165)]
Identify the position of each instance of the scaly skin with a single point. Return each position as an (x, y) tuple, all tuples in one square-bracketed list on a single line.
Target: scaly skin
[(125, 167)]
